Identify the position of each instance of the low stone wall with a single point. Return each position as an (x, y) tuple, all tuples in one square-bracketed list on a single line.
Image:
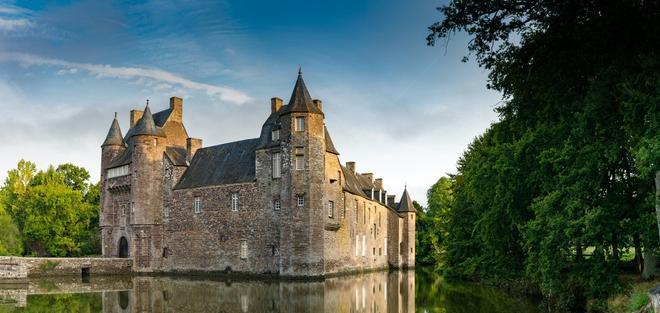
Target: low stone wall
[(46, 267), (12, 271)]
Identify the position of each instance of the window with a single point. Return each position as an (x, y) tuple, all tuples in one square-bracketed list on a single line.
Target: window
[(123, 210), (385, 245), (244, 250), (166, 211), (331, 209), (300, 159), (364, 245), (300, 124), (197, 204), (357, 212), (301, 200), (277, 204), (155, 142), (364, 213), (118, 171), (357, 245), (234, 201), (277, 165), (275, 135)]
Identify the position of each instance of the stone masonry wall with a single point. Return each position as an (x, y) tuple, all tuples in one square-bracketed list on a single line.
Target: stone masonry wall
[(211, 240), (44, 267)]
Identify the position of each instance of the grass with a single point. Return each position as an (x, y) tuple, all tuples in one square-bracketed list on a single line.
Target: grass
[(635, 296)]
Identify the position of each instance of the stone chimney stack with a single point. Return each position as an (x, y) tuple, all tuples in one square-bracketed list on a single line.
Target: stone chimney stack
[(378, 183), (369, 176), (318, 103), (136, 115), (192, 145), (275, 104), (176, 105), (391, 201), (350, 166)]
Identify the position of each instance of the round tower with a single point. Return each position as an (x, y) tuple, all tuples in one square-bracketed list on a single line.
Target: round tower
[(149, 142)]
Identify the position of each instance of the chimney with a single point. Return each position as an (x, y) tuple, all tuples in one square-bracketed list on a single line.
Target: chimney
[(192, 144), (318, 103), (135, 117), (391, 201), (369, 176), (275, 104), (176, 105), (378, 183), (350, 166)]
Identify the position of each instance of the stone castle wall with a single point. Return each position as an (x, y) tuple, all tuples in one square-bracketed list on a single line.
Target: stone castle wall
[(45, 267)]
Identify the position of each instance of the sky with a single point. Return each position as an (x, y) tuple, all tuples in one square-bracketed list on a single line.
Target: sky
[(397, 107)]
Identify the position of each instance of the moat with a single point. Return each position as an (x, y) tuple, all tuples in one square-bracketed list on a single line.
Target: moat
[(398, 291)]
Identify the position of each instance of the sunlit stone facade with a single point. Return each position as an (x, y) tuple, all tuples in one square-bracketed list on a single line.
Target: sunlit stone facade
[(279, 204)]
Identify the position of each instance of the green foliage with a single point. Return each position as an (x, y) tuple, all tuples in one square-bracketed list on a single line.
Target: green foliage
[(431, 229), (569, 166), (55, 211), (637, 301), (10, 242)]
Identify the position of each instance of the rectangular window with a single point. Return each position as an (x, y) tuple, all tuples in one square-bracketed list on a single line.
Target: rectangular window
[(244, 250), (357, 212), (197, 204), (364, 213), (118, 171), (166, 211), (277, 204), (300, 159), (331, 209), (275, 135), (357, 245), (123, 210), (234, 201), (277, 165), (364, 245), (300, 124), (301, 200), (385, 245)]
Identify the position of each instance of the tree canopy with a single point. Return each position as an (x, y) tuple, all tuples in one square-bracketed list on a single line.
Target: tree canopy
[(562, 185)]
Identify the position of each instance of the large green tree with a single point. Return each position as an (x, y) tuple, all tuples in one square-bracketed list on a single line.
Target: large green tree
[(567, 179), (55, 212)]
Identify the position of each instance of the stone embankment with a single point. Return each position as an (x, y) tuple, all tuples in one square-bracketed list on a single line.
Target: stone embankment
[(17, 269)]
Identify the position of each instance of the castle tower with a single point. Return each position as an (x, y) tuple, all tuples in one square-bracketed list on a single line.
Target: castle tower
[(303, 147), (407, 210), (112, 147), (149, 143)]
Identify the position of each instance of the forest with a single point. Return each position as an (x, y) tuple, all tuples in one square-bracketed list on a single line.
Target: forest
[(560, 195)]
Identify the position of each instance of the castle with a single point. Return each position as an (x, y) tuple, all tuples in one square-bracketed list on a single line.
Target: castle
[(279, 204)]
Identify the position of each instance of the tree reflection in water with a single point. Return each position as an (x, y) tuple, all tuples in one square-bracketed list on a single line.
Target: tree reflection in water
[(396, 292)]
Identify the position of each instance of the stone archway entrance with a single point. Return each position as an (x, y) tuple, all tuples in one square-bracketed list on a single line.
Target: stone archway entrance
[(123, 247)]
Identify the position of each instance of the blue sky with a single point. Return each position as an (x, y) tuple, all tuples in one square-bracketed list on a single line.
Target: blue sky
[(400, 109)]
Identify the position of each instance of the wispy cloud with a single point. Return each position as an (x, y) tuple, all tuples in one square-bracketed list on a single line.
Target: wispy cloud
[(13, 24), (138, 74), (6, 9)]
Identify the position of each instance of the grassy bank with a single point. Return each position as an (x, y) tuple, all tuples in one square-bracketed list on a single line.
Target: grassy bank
[(635, 297)]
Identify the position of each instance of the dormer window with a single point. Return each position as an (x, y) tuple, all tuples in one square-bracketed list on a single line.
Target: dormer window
[(300, 124), (275, 135)]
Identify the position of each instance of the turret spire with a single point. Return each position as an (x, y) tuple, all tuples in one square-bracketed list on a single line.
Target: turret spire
[(300, 100), (146, 125), (406, 204), (114, 137)]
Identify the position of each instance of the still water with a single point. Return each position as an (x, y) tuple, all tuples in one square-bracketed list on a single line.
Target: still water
[(401, 291)]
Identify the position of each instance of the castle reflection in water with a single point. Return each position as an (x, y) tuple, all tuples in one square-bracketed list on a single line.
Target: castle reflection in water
[(373, 292)]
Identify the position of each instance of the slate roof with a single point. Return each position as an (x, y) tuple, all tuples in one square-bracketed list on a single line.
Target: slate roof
[(329, 146), (123, 159), (114, 137), (406, 203), (147, 126), (300, 100), (227, 163), (177, 155)]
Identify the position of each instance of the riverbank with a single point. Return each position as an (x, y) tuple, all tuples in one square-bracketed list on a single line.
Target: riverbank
[(635, 297)]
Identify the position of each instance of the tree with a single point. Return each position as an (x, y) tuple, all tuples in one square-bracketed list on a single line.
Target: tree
[(571, 163)]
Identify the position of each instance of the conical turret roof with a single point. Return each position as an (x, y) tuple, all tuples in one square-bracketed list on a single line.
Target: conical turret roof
[(146, 125), (114, 137), (300, 100), (406, 204)]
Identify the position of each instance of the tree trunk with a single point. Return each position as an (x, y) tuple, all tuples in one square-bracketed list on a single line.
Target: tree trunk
[(657, 199), (649, 264), (638, 253)]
